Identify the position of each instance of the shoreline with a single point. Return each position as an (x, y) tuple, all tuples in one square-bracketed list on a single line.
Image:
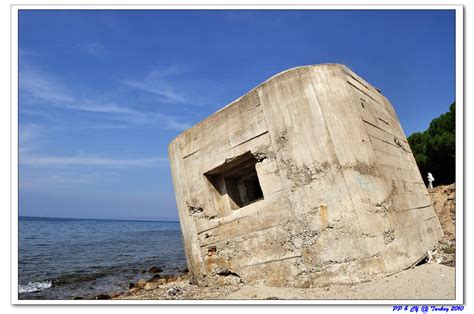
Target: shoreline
[(153, 277), (432, 280), (82, 258), (115, 288), (435, 279), (427, 281)]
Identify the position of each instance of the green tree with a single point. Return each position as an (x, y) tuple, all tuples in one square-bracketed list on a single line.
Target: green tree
[(435, 148)]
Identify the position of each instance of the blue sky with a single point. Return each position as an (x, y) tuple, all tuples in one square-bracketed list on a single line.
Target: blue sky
[(102, 93)]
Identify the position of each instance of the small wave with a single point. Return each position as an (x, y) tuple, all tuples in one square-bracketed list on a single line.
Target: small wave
[(34, 286)]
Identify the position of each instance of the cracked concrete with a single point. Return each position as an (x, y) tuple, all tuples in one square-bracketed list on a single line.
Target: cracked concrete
[(306, 180)]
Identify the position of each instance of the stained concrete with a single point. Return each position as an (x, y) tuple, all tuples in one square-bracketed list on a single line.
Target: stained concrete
[(306, 180)]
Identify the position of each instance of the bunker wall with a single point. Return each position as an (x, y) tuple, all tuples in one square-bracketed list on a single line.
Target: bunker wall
[(338, 196)]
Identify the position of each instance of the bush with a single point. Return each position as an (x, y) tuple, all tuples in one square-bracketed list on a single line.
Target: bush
[(435, 148)]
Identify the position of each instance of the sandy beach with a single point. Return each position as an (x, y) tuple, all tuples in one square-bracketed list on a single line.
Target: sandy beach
[(427, 281)]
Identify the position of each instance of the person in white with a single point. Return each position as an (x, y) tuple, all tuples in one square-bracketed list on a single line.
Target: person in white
[(430, 180)]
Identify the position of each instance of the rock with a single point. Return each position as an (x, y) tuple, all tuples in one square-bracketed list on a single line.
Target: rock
[(151, 285), (444, 203), (141, 283), (162, 281), (102, 297), (115, 295), (229, 280), (131, 285), (185, 270), (174, 290), (154, 278), (77, 298), (155, 270), (171, 279)]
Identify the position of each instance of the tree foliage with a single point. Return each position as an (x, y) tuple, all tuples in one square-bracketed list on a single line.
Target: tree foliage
[(435, 148)]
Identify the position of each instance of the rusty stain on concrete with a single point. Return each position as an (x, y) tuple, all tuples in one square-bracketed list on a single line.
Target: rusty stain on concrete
[(323, 210)]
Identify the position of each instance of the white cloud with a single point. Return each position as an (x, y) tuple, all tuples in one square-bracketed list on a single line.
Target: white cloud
[(43, 87), (172, 123), (51, 91), (94, 106), (45, 180), (38, 85), (29, 135), (29, 132), (163, 90), (169, 85), (92, 161)]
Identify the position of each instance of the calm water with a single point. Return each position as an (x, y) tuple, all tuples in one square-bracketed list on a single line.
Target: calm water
[(67, 258)]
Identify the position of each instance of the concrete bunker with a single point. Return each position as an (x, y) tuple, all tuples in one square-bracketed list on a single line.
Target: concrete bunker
[(306, 180)]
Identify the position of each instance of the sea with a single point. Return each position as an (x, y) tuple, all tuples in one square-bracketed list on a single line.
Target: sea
[(64, 259)]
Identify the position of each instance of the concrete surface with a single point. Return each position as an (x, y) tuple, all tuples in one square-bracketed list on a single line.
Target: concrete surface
[(306, 180)]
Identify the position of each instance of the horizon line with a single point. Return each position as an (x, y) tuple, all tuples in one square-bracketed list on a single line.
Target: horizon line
[(113, 219)]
